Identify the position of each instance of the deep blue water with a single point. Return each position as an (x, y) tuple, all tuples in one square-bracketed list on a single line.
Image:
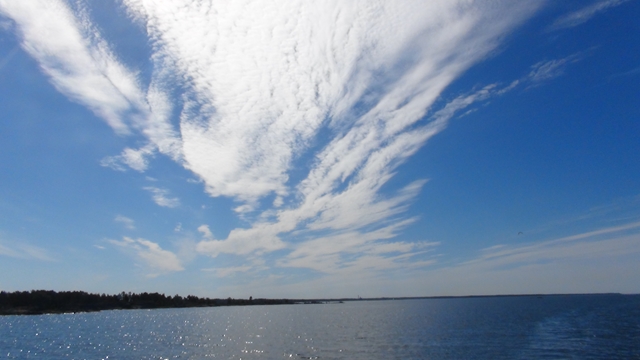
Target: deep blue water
[(550, 327)]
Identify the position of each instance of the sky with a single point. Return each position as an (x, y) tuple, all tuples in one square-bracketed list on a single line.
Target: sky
[(299, 149)]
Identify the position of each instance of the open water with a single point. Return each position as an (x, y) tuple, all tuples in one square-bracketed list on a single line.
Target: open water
[(550, 327)]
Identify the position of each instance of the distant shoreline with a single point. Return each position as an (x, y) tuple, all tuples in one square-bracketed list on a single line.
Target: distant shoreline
[(39, 302)]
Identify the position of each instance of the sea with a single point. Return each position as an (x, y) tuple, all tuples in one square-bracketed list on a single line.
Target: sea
[(519, 327)]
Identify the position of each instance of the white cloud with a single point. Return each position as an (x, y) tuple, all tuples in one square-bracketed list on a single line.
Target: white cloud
[(6, 251), (546, 70), (113, 162), (228, 271), (25, 251), (204, 229), (348, 211), (585, 14), (577, 245), (137, 159), (126, 222), (244, 208), (264, 76), (161, 197), (596, 261), (158, 260), (82, 66), (261, 82), (632, 72), (278, 201), (69, 58), (243, 242), (353, 251)]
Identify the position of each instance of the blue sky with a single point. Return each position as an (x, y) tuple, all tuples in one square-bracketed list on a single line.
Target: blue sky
[(291, 149)]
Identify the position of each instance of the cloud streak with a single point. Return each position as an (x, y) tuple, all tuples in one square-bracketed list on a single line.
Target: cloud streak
[(585, 14), (25, 251), (270, 75), (595, 261), (126, 222), (161, 197), (228, 271), (156, 259), (341, 92), (547, 70), (373, 112), (69, 59), (595, 243), (82, 66)]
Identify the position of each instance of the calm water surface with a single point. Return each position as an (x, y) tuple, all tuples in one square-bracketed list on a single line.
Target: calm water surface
[(557, 327)]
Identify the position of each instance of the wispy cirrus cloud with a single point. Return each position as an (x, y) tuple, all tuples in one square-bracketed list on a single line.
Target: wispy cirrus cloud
[(162, 198), (82, 66), (126, 222), (272, 73), (547, 70), (228, 271), (341, 92), (632, 72), (600, 260), (594, 243), (360, 222), (150, 254), (373, 109), (583, 15), (25, 251), (70, 59), (354, 251), (136, 159)]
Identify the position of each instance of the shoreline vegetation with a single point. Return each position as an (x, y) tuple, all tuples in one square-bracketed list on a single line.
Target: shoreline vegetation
[(38, 302)]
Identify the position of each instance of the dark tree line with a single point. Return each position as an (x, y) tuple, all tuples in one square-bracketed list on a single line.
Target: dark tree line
[(48, 301)]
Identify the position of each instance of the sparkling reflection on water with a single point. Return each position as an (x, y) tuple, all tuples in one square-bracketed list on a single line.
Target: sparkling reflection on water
[(580, 327)]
